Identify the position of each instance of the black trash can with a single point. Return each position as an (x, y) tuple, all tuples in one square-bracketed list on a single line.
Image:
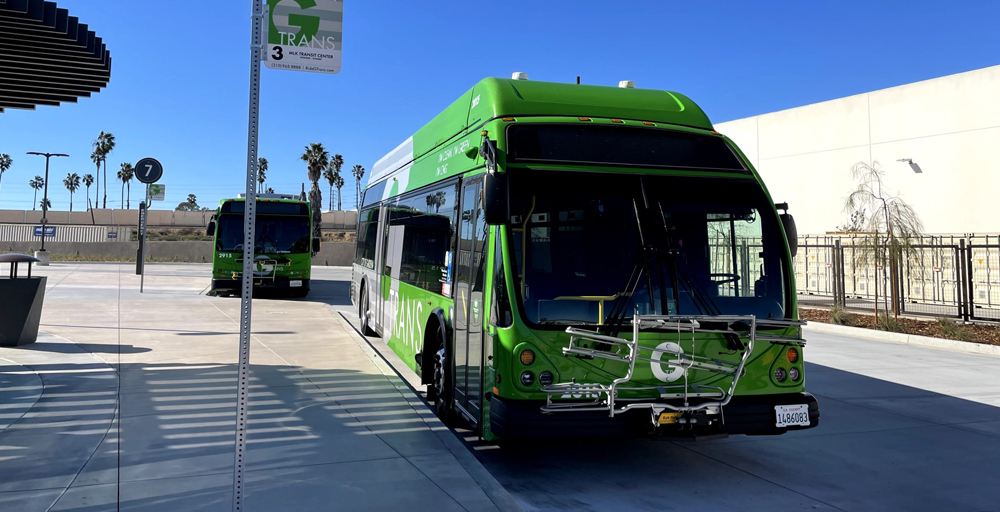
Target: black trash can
[(20, 302)]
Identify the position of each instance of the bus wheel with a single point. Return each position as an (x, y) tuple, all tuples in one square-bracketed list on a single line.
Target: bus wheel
[(363, 314), (442, 388)]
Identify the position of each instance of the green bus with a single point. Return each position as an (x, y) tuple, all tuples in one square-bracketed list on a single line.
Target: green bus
[(282, 251), (574, 260)]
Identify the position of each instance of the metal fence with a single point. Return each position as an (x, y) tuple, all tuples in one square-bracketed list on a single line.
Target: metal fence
[(61, 233), (943, 275)]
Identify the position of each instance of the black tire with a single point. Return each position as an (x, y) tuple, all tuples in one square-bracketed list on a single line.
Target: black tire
[(366, 328), (442, 389)]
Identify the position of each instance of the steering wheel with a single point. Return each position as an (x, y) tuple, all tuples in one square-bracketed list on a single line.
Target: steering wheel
[(729, 278)]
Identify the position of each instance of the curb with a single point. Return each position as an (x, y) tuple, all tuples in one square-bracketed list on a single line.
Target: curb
[(909, 339), (387, 361)]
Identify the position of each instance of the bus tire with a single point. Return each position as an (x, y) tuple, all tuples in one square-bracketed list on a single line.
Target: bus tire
[(442, 387), (363, 314)]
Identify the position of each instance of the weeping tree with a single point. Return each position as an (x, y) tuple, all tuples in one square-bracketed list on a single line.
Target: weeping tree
[(891, 225), (317, 160)]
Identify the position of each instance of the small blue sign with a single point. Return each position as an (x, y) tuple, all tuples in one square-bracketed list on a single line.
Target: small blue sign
[(113, 234), (50, 231)]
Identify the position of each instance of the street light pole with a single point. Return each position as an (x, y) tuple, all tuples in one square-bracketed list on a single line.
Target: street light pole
[(45, 193)]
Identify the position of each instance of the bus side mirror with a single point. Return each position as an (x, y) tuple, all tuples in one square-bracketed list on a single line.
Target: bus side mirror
[(788, 222), (496, 200), (210, 230), (316, 244)]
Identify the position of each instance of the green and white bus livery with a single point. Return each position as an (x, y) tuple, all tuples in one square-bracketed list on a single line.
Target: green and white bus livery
[(572, 260), (282, 251)]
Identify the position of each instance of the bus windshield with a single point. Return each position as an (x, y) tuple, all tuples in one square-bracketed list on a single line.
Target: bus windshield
[(275, 234), (704, 246)]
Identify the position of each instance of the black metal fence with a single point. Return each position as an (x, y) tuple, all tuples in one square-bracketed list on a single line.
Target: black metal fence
[(949, 275)]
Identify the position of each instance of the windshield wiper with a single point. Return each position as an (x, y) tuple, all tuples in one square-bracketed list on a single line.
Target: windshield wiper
[(565, 321)]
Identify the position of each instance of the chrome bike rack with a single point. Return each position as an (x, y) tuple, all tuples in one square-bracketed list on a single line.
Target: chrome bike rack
[(711, 399)]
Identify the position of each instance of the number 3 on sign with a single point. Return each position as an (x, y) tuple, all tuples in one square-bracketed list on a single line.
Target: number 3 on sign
[(278, 53)]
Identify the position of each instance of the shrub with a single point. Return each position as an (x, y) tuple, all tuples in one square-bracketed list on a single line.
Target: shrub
[(888, 323), (840, 316), (953, 330)]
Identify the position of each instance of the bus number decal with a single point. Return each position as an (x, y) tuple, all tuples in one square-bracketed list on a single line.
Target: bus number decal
[(656, 365)]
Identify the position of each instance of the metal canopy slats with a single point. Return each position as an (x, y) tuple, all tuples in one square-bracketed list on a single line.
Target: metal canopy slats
[(49, 57)]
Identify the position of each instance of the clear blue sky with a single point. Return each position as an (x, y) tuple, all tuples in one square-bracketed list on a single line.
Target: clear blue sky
[(178, 90)]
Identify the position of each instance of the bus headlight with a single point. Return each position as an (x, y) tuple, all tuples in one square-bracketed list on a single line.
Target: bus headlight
[(527, 378), (793, 373), (545, 378), (780, 374)]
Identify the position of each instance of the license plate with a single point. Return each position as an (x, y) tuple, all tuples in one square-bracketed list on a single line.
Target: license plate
[(295, 283), (791, 415), (668, 418)]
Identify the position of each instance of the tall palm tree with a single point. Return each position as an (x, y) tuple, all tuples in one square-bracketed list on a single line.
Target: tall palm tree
[(72, 183), (88, 180), (128, 185), (95, 156), (45, 204), (339, 183), (37, 183), (5, 163), (125, 174), (358, 172), (261, 173), (317, 159), (330, 176), (337, 162), (105, 144)]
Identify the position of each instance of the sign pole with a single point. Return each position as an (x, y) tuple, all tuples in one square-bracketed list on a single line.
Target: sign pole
[(142, 244), (249, 219)]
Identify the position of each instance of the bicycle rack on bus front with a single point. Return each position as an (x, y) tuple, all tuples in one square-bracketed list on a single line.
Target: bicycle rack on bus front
[(710, 399)]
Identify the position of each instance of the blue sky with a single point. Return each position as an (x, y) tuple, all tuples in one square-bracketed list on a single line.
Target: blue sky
[(178, 90)]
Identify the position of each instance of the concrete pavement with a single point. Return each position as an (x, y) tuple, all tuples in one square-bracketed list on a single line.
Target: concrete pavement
[(329, 425)]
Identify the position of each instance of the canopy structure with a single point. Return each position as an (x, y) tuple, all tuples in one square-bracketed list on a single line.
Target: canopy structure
[(48, 57)]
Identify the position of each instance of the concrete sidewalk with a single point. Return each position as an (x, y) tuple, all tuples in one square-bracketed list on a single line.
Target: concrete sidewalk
[(329, 426)]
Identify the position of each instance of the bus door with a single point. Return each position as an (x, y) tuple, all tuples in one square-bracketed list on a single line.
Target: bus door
[(375, 287), (469, 313)]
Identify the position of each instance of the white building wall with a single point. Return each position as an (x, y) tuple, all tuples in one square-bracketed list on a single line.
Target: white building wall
[(949, 126)]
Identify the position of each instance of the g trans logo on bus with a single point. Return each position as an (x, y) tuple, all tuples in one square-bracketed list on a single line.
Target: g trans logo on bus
[(304, 35)]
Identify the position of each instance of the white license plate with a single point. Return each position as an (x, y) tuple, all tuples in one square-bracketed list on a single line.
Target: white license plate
[(789, 415), (297, 283)]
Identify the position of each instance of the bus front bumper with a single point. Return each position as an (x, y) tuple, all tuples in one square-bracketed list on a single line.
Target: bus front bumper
[(278, 283), (747, 414)]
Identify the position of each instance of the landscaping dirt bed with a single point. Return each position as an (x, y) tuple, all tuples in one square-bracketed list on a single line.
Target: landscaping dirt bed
[(945, 328)]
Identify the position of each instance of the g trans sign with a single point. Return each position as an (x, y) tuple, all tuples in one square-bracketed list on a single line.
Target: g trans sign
[(304, 35)]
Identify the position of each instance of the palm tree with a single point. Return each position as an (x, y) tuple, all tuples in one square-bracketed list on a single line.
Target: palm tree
[(95, 156), (339, 183), (317, 160), (125, 174), (261, 173), (358, 172), (331, 177), (45, 204), (269, 190), (88, 180), (5, 163), (336, 163), (105, 144), (72, 183), (37, 183)]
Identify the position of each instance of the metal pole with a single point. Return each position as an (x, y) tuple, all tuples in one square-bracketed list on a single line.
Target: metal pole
[(45, 198), (249, 219), (142, 254)]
